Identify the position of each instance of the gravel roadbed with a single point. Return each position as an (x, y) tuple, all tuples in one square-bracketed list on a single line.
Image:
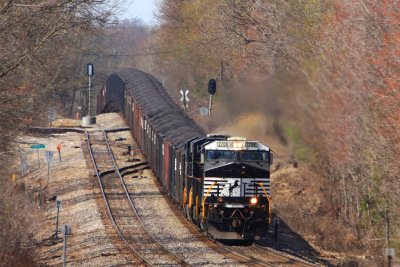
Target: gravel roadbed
[(159, 219), (93, 241)]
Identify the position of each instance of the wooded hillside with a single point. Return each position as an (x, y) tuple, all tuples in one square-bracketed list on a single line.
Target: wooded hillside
[(326, 74), (44, 47)]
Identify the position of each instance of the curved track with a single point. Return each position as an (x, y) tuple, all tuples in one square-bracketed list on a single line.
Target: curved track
[(130, 227), (266, 257), (285, 259), (236, 259), (120, 208)]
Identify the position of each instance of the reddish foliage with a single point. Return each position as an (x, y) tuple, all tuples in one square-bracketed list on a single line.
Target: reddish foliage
[(386, 61)]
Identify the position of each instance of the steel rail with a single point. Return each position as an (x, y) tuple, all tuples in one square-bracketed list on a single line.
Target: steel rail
[(248, 259), (179, 261), (143, 261), (165, 250), (238, 256), (292, 259)]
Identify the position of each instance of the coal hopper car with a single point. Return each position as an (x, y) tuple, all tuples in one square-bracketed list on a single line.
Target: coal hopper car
[(221, 183)]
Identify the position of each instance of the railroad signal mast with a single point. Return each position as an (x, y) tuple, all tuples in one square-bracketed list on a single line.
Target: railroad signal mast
[(88, 120), (90, 71), (212, 88)]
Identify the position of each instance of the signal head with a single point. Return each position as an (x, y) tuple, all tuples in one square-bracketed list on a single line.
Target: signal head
[(212, 86)]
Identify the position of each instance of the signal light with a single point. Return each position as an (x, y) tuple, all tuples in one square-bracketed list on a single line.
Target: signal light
[(253, 200), (212, 86)]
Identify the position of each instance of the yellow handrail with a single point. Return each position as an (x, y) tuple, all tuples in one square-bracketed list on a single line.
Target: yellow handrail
[(269, 202), (191, 197), (184, 197), (203, 211), (197, 207)]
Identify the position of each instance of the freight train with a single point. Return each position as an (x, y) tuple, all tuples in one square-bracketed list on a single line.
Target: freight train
[(221, 183)]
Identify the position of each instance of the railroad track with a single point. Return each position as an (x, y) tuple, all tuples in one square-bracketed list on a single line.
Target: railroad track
[(120, 207), (235, 258), (190, 252), (285, 259), (265, 256), (131, 229), (238, 259)]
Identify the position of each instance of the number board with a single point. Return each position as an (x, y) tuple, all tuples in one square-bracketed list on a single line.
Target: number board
[(252, 144), (224, 144), (230, 144)]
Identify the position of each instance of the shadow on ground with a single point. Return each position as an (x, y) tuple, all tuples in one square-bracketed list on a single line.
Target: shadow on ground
[(290, 242)]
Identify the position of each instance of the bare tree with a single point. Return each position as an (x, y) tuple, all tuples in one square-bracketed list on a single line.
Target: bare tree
[(333, 67), (36, 37)]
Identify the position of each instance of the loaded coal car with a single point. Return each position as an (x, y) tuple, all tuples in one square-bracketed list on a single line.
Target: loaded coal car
[(220, 182)]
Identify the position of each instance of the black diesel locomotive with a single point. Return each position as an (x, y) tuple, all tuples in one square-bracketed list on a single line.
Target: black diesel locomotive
[(222, 183)]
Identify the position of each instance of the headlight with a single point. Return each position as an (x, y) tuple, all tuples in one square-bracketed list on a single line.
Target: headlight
[(253, 200), (220, 200)]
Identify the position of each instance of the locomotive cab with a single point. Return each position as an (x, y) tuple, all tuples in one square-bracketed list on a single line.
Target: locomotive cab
[(235, 202)]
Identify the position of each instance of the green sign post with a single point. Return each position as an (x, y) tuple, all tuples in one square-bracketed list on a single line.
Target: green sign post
[(37, 147)]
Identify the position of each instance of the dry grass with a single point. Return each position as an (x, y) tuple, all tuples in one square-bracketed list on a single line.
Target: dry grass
[(17, 224), (306, 205)]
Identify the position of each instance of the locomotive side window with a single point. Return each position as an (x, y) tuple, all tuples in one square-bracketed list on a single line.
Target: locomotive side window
[(221, 155), (249, 155)]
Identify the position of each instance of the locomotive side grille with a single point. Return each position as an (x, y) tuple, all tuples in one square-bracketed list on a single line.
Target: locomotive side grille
[(252, 189), (208, 181)]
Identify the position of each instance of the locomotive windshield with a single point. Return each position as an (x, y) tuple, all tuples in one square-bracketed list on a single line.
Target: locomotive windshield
[(221, 155), (248, 155), (244, 155)]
